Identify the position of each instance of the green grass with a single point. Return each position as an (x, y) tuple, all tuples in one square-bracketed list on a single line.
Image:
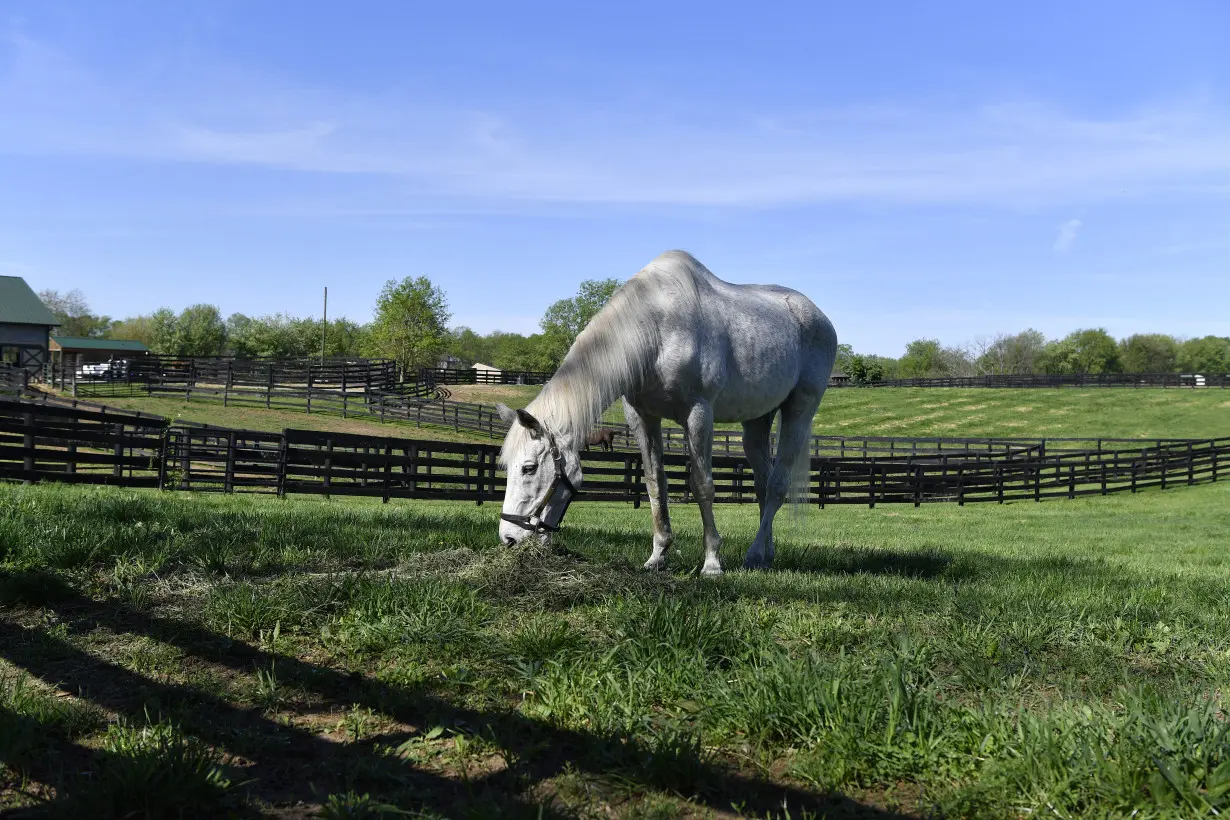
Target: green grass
[(1026, 413), (258, 418), (1035, 413), (243, 654)]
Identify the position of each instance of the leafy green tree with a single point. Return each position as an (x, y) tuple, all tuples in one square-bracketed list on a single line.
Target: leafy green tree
[(1205, 355), (73, 313), (135, 328), (1082, 351), (199, 331), (864, 369), (1149, 353), (239, 336), (410, 323), (923, 358), (566, 318), (470, 347), (164, 329)]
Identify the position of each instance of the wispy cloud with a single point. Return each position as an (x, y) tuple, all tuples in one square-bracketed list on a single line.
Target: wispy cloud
[(1001, 154), (1066, 236)]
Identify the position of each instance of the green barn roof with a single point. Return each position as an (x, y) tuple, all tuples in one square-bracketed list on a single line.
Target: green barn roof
[(19, 305), (83, 343)]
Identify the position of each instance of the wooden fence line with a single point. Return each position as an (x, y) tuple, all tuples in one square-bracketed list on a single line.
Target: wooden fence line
[(49, 442)]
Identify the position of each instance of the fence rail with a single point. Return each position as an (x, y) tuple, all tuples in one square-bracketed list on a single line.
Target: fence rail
[(91, 444), (449, 375)]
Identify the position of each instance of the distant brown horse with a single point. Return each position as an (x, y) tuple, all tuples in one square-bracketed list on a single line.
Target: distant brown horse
[(601, 435)]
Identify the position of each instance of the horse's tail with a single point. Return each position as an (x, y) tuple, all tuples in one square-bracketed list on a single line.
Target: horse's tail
[(800, 479)]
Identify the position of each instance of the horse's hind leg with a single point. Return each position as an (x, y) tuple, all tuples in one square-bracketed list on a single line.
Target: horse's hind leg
[(758, 448), (700, 443), (795, 433), (647, 430)]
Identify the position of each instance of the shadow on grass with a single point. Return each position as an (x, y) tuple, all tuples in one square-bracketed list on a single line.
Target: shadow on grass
[(290, 766)]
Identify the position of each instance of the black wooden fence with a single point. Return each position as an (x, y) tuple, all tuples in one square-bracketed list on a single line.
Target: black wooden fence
[(47, 442), (468, 375)]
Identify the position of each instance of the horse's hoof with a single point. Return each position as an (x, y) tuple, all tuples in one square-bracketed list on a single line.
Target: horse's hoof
[(655, 564), (711, 571)]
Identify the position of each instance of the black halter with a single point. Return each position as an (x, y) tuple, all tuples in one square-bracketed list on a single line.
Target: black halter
[(534, 521)]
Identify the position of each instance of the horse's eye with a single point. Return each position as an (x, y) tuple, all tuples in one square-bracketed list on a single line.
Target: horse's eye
[(529, 469)]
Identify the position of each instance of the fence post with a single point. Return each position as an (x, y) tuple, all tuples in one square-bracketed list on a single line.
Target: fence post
[(228, 482), (282, 459), (344, 396), (269, 388), (1213, 446), (1191, 467), (309, 389), (226, 388), (28, 444), (118, 469)]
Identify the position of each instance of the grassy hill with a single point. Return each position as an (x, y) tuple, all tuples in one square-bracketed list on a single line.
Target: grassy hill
[(1029, 413), (1026, 413)]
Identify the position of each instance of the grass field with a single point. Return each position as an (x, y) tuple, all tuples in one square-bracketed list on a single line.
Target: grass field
[(258, 418), (170, 653), (977, 412), (880, 412)]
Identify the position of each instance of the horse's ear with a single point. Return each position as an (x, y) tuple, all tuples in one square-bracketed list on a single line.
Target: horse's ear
[(529, 423), (506, 413)]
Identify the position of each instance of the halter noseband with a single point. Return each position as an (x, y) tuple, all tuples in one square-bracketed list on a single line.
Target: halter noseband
[(534, 522)]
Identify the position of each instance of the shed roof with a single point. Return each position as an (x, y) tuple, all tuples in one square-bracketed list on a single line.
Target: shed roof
[(20, 306), (83, 343)]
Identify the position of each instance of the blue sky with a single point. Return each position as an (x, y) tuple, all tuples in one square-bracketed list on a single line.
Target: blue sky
[(948, 169)]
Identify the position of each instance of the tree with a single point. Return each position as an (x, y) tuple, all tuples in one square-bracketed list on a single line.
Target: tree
[(923, 358), (864, 369), (1206, 355), (1149, 353), (135, 328), (240, 331), (410, 323), (73, 314), (1082, 351), (199, 331), (565, 319), (1017, 354), (163, 324), (470, 347)]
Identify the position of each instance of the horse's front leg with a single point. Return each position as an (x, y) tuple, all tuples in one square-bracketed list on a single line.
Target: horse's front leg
[(700, 443), (647, 430)]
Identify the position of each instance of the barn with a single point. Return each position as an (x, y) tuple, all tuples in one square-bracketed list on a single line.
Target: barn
[(79, 350), (25, 325)]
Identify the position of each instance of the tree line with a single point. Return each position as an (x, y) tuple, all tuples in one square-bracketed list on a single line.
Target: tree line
[(1088, 350), (410, 324)]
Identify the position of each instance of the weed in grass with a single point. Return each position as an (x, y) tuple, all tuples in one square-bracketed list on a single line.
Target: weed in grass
[(30, 716), (351, 806), (267, 691), (154, 658), (153, 771)]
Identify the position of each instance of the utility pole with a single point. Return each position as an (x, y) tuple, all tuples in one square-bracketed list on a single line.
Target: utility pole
[(324, 326)]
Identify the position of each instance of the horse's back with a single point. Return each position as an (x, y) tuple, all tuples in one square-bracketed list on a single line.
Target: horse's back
[(745, 346)]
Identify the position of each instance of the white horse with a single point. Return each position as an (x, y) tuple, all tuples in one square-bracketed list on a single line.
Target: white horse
[(677, 342)]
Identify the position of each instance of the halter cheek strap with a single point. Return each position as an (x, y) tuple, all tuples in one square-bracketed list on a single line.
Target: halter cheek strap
[(534, 521)]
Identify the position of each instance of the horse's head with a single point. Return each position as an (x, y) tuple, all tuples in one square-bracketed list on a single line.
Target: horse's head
[(543, 475)]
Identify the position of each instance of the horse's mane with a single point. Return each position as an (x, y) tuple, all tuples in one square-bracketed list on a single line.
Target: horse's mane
[(610, 356)]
